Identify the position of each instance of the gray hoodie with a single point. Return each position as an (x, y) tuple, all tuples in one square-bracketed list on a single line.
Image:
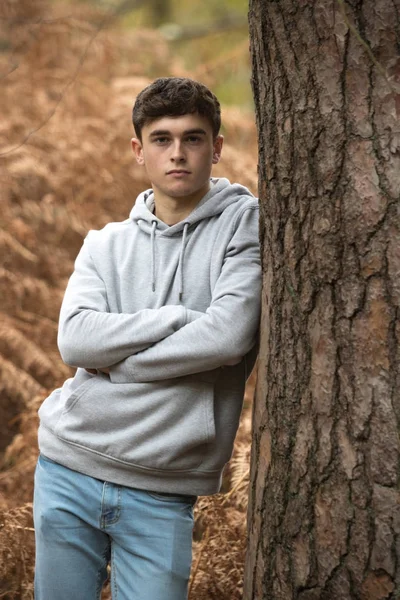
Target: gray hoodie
[(174, 312)]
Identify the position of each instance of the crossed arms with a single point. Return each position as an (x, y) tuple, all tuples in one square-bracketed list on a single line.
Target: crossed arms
[(171, 341)]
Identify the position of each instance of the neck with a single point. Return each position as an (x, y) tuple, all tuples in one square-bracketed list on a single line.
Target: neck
[(173, 210)]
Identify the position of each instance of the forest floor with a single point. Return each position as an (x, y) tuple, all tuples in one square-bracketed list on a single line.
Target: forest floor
[(65, 168)]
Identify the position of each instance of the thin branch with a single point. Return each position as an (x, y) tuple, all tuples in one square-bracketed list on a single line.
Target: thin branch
[(70, 20), (15, 21), (60, 98), (107, 19), (18, 50)]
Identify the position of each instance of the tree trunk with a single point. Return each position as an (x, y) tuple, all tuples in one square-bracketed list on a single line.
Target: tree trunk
[(324, 516)]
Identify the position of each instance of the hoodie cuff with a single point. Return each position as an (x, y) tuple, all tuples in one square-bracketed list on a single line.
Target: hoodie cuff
[(192, 315), (119, 374)]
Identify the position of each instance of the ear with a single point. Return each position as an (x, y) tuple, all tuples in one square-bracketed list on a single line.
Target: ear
[(137, 149), (218, 143)]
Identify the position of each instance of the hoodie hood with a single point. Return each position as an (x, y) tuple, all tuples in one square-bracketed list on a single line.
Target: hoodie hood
[(221, 194)]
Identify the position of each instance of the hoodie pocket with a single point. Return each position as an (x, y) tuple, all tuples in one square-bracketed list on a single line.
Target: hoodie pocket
[(159, 425)]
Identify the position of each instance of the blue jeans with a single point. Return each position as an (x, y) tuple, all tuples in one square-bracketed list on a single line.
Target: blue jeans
[(83, 524)]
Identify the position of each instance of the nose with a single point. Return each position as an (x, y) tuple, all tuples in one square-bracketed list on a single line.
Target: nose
[(177, 154)]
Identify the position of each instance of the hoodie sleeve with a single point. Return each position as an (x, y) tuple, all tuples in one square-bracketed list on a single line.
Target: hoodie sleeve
[(222, 335), (90, 336)]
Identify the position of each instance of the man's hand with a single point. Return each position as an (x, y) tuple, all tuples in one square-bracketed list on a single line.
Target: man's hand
[(105, 370)]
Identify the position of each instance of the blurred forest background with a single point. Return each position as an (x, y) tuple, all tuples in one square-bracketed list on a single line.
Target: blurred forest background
[(69, 73)]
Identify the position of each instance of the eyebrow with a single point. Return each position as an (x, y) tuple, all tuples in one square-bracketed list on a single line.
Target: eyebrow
[(159, 132)]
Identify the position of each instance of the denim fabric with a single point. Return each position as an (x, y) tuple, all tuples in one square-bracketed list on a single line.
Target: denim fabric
[(82, 524)]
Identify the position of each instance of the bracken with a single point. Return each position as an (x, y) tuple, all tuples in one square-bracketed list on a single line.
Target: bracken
[(65, 167)]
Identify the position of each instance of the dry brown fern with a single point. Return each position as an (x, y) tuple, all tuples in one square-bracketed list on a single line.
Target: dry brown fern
[(26, 355), (219, 554), (17, 383), (40, 330), (16, 553), (17, 388), (9, 243), (20, 457), (65, 167), (28, 294)]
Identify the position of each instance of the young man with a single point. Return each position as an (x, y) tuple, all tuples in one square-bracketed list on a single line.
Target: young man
[(160, 318)]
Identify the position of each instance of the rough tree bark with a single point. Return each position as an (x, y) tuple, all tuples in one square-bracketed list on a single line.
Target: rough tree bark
[(324, 516)]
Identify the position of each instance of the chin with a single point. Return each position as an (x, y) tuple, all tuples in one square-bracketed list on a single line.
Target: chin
[(182, 192)]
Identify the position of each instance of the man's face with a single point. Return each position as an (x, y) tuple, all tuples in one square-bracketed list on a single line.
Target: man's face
[(178, 154)]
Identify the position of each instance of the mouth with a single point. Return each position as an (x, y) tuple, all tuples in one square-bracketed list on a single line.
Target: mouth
[(178, 172)]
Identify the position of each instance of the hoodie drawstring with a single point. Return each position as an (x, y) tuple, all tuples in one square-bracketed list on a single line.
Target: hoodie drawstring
[(181, 255), (153, 255)]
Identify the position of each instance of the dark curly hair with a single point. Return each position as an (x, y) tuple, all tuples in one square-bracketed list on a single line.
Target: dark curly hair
[(174, 97)]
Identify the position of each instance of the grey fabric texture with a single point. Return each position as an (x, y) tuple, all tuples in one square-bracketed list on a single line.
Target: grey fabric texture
[(173, 311)]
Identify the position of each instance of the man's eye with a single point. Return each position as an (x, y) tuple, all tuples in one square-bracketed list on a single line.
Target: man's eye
[(161, 140), (193, 139)]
